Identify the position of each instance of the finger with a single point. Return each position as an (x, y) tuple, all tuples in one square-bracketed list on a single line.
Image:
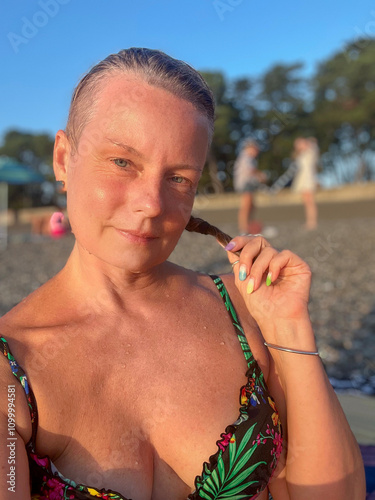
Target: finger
[(258, 268), (235, 267), (237, 246), (250, 253), (252, 249), (284, 261)]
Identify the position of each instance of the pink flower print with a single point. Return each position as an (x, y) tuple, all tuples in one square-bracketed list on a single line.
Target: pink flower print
[(223, 443), (258, 440), (278, 442), (44, 462), (54, 489)]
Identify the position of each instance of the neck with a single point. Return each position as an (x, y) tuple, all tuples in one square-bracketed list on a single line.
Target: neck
[(91, 280)]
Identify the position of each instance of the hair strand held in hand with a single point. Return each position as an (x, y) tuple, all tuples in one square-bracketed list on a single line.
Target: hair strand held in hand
[(197, 225)]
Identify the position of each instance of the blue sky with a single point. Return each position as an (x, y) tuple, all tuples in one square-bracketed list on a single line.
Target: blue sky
[(46, 45)]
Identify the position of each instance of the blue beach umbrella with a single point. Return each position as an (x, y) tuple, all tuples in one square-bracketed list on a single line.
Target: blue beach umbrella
[(15, 173), (12, 172)]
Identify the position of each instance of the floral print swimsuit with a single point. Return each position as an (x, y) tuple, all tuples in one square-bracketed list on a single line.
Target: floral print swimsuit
[(247, 452)]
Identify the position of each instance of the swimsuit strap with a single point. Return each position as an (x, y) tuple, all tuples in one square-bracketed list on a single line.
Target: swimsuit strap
[(22, 378), (251, 362)]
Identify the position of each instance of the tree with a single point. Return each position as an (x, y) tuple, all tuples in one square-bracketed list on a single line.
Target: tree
[(228, 130), (280, 115), (344, 111), (31, 149), (34, 150)]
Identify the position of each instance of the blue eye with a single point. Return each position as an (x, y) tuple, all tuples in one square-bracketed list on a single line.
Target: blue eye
[(177, 179), (120, 162)]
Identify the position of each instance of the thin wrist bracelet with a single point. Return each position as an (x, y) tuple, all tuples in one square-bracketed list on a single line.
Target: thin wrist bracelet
[(279, 348)]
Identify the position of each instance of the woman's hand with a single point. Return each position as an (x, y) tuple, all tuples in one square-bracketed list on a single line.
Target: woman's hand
[(274, 285)]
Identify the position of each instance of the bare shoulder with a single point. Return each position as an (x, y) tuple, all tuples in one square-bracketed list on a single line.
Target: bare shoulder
[(33, 338), (9, 383), (34, 311)]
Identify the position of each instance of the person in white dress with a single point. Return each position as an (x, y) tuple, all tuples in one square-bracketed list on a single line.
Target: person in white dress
[(305, 181)]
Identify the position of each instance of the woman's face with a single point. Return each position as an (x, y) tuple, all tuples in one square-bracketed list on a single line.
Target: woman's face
[(300, 145), (131, 183)]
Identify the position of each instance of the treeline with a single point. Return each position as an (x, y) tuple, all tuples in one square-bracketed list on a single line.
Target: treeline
[(336, 105)]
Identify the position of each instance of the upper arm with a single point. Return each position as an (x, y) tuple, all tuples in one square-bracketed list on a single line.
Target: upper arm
[(14, 464)]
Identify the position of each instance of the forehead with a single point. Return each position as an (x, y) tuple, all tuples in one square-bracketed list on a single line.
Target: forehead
[(123, 95), (126, 106)]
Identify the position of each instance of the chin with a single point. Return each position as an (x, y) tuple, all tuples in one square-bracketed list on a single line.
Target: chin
[(127, 255), (135, 260)]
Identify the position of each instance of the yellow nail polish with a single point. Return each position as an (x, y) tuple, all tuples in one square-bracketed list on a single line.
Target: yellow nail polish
[(250, 286)]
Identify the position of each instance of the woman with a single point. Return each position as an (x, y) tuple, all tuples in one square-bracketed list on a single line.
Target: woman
[(306, 153), (136, 364)]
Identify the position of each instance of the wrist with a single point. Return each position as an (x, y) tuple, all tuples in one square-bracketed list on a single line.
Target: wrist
[(292, 351), (296, 333)]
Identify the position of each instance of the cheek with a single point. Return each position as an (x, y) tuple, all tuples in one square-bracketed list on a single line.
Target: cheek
[(178, 209), (89, 202), (184, 210), (101, 200), (100, 194)]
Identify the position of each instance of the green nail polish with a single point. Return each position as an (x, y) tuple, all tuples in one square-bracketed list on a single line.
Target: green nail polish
[(269, 279)]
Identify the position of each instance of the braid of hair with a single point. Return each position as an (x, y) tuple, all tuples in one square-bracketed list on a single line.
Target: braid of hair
[(201, 226)]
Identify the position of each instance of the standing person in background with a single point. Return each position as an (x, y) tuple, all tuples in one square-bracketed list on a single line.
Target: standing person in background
[(246, 180), (306, 153)]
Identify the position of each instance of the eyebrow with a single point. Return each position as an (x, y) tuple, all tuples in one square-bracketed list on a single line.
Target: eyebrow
[(129, 149)]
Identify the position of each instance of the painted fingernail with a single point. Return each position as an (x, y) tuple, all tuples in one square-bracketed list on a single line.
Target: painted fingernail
[(243, 273), (250, 286), (230, 246), (269, 279)]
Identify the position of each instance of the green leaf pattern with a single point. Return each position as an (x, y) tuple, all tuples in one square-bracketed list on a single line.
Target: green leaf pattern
[(249, 449)]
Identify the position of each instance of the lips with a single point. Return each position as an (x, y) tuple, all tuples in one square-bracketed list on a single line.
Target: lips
[(137, 236)]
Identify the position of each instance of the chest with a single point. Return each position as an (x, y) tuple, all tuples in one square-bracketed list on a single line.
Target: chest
[(138, 408)]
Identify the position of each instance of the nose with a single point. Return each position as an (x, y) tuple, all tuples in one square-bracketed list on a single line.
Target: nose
[(148, 198)]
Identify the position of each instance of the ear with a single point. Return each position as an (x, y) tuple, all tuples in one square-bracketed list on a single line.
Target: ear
[(61, 156)]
